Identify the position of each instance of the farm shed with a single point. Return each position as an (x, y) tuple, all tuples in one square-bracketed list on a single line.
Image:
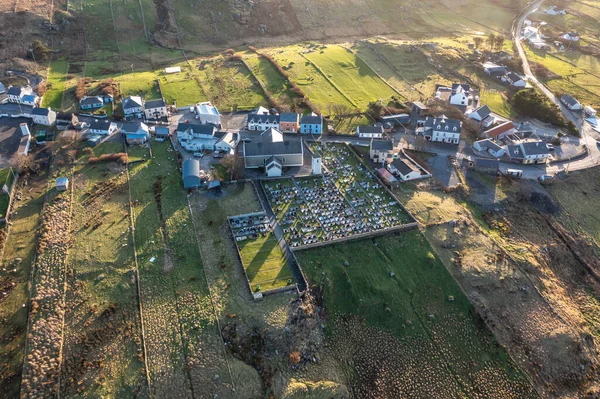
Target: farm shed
[(62, 184), (214, 185), (161, 132), (191, 173)]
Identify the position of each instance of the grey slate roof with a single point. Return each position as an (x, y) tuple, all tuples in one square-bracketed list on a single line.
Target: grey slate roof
[(130, 102), (161, 131), (311, 120), (131, 127), (14, 90), (204, 128), (288, 117), (534, 148), (484, 111), (266, 146), (487, 163), (158, 103), (100, 124), (569, 100), (453, 125), (40, 111), (465, 87), (91, 100), (254, 118), (369, 129), (404, 167), (513, 77), (382, 145)]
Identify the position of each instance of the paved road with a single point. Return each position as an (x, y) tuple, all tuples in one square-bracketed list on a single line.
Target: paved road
[(586, 130)]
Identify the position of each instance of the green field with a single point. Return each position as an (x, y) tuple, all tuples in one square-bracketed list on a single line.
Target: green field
[(350, 75), (265, 264), (229, 85), (273, 82), (390, 311), (56, 84), (319, 90), (497, 102), (177, 309), (181, 87)]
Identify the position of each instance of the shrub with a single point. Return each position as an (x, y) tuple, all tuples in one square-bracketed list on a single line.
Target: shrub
[(294, 357)]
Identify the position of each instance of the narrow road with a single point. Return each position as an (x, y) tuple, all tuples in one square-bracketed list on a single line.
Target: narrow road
[(593, 157)]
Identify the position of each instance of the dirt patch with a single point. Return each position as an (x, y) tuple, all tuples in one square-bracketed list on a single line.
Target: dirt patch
[(265, 18), (165, 34)]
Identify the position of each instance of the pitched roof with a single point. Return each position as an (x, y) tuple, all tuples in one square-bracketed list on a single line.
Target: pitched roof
[(484, 111), (382, 145), (260, 118), (513, 77), (489, 145), (404, 166), (272, 143), (260, 111), (311, 120), (386, 175), (534, 148), (569, 100), (205, 128), (288, 117), (369, 129), (500, 129), (460, 87), (14, 90), (91, 100), (133, 127), (443, 123), (487, 163), (420, 105), (157, 103), (161, 130), (132, 102), (40, 111), (100, 124)]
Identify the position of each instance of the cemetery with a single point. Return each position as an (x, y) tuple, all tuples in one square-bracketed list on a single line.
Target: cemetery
[(346, 201), (260, 253)]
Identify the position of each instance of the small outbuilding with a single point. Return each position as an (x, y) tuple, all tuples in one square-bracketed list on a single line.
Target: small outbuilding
[(62, 184), (191, 173)]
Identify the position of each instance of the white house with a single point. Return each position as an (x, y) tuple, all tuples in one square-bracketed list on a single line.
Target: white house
[(30, 99), (555, 11), (197, 137), (589, 110), (570, 36), (494, 69), (15, 94), (442, 130), (133, 106), (371, 132), (489, 146), (570, 102), (461, 94), (155, 109), (226, 142), (102, 126), (208, 113), (135, 132), (500, 131), (528, 152), (483, 115), (262, 122), (404, 169), (43, 116), (515, 80)]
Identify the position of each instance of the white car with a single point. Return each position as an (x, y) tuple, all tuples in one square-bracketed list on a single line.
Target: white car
[(198, 155)]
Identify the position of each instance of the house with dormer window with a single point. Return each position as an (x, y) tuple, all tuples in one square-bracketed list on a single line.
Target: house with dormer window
[(441, 130)]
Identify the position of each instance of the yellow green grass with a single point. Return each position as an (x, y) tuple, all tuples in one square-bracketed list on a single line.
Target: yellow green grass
[(496, 101), (265, 263), (57, 74), (182, 87)]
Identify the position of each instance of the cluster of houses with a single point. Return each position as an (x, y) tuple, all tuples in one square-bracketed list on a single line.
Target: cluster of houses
[(262, 119), (23, 95), (503, 74), (206, 137), (396, 165)]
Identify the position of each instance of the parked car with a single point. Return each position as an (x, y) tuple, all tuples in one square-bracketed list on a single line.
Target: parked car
[(514, 172), (198, 155), (550, 147), (543, 178)]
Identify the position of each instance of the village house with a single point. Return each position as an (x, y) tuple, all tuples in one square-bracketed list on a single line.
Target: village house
[(570, 102), (65, 121), (135, 132), (528, 152), (15, 94), (289, 122), (161, 133), (208, 113), (441, 129), (311, 124), (62, 184), (273, 153), (43, 116), (570, 36), (89, 103), (196, 137), (460, 95), (102, 126), (500, 131), (262, 122), (494, 70), (404, 169), (155, 109), (484, 116), (370, 132), (30, 99), (191, 173), (589, 111), (515, 80), (490, 147), (133, 106), (226, 142), (381, 151)]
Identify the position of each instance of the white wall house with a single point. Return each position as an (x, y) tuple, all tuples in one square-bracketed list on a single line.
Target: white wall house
[(102, 126), (370, 132), (461, 94), (208, 113), (155, 109), (442, 130), (43, 116), (570, 102), (15, 94), (133, 106), (515, 80), (262, 122)]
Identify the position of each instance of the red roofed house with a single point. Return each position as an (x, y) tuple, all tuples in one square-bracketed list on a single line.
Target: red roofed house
[(500, 131)]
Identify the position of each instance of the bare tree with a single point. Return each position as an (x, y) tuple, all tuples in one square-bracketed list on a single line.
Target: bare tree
[(491, 40), (499, 42), (232, 165), (420, 143), (22, 163), (478, 41)]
